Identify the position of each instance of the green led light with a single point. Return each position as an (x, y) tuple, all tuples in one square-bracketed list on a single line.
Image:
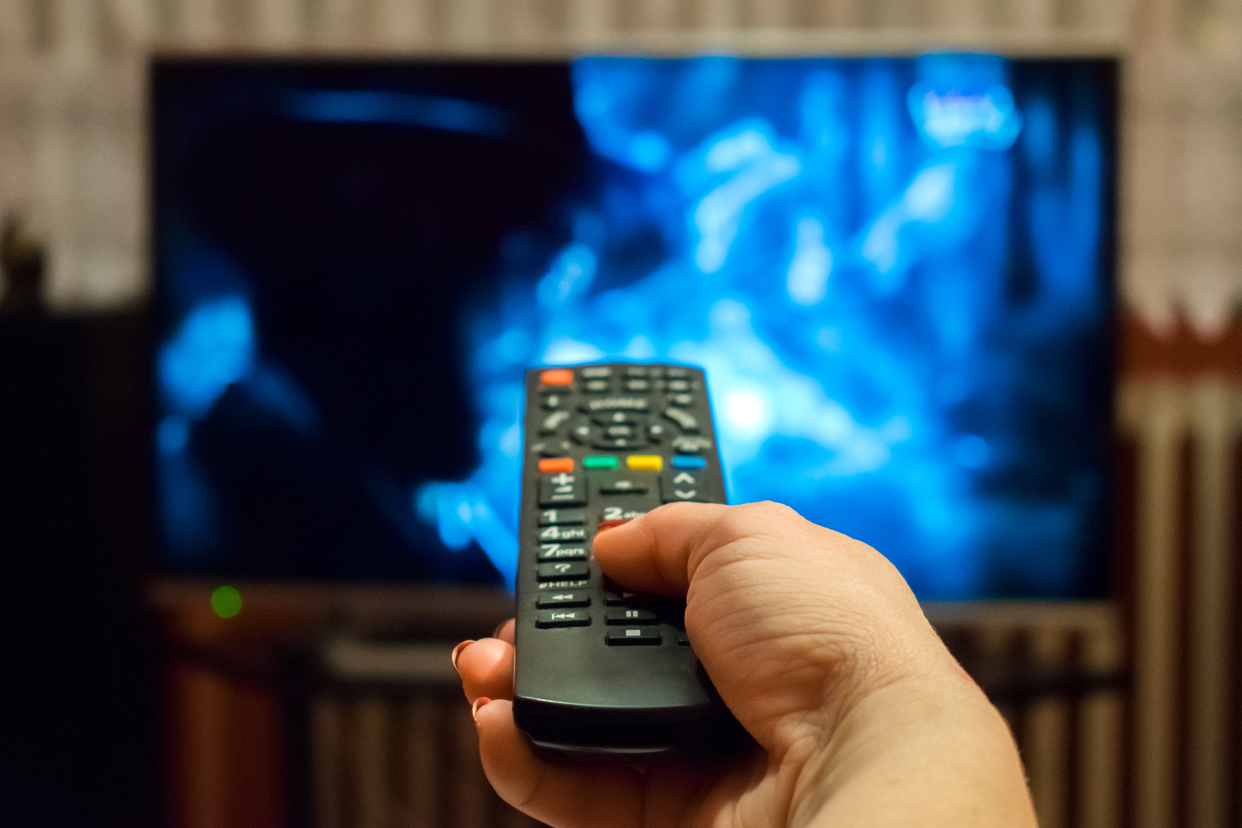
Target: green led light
[(599, 462), (226, 601)]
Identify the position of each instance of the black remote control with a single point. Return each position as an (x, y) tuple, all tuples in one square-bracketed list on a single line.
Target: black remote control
[(599, 672)]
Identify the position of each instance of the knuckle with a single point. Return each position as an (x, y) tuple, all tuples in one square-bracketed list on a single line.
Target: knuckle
[(765, 517)]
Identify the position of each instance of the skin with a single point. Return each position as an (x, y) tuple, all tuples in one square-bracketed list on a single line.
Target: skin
[(860, 714)]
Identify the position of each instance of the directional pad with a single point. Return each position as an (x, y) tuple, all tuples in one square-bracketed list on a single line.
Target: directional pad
[(683, 484)]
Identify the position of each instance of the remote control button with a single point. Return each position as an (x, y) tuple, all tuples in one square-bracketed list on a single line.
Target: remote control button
[(685, 444), (636, 371), (645, 462), (633, 636), (623, 616), (555, 401), (553, 421), (596, 372), (618, 443), (582, 433), (623, 485), (638, 385), (615, 404), (557, 464), (563, 489), (618, 514), (557, 376), (563, 599), (656, 432), (561, 570), (687, 421), (599, 461), (681, 400), (614, 595), (615, 431), (681, 486), (561, 517), (599, 386), (610, 418), (557, 552), (563, 618), (677, 373), (552, 448), (577, 583), (684, 461), (682, 638), (562, 533)]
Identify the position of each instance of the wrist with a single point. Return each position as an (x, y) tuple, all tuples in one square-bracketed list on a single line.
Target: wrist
[(928, 750)]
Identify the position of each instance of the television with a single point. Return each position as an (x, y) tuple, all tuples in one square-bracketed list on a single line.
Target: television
[(896, 272)]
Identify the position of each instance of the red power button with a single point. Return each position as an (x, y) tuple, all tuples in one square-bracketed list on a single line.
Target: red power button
[(557, 376)]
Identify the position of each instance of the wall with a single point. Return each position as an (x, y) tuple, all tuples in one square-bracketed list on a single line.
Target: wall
[(72, 102)]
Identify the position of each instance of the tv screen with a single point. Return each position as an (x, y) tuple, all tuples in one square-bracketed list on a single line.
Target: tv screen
[(897, 274)]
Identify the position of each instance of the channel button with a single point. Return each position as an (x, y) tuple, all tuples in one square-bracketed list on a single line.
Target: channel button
[(682, 485)]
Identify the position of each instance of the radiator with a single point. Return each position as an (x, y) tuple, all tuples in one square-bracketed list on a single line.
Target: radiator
[(1183, 609), (1126, 712), (410, 761), (393, 745), (1057, 672)]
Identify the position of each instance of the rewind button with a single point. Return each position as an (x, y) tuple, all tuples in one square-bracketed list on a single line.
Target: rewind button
[(563, 599)]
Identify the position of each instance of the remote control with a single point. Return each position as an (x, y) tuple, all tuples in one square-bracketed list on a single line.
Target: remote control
[(599, 672)]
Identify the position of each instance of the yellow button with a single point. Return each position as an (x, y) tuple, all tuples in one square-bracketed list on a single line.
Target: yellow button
[(646, 462)]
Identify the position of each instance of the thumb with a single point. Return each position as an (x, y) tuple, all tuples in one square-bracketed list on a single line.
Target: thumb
[(658, 552)]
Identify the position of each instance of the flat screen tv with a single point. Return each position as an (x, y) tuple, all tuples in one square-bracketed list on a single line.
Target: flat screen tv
[(897, 273)]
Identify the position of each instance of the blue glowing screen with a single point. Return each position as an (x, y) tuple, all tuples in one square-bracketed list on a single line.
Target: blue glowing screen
[(896, 273)]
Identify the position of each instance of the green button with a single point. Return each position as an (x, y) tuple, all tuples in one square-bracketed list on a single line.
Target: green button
[(599, 462)]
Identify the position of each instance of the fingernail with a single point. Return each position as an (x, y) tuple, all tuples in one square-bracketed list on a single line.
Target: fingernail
[(478, 703), (457, 651)]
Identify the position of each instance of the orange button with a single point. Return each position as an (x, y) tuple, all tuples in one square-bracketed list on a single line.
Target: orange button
[(557, 464), (557, 376)]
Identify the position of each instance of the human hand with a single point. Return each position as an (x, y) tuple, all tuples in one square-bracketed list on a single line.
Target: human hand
[(816, 644)]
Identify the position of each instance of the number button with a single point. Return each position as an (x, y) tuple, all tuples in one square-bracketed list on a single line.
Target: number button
[(562, 533), (561, 517), (556, 552)]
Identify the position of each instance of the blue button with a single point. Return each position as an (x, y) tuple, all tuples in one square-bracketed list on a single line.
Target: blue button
[(683, 461)]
